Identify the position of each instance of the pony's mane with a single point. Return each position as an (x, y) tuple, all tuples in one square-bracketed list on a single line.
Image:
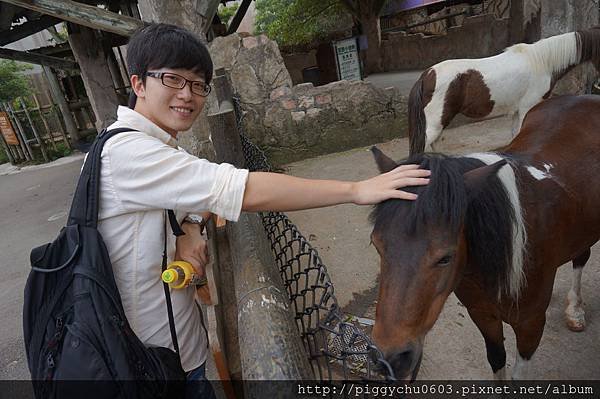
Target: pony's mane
[(588, 45), (556, 54), (553, 54), (489, 218)]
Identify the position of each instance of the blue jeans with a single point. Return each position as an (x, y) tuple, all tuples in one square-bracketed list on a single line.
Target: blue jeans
[(197, 386)]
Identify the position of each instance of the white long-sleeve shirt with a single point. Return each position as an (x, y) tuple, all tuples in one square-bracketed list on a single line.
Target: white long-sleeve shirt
[(143, 173)]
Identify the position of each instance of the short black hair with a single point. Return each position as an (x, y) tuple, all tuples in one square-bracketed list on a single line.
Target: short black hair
[(157, 46)]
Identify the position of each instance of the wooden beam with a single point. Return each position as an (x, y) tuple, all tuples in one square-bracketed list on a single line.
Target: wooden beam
[(58, 50), (239, 15), (82, 14), (27, 29), (38, 59), (95, 72)]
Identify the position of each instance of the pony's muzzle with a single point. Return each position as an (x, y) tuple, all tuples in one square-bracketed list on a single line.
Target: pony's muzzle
[(406, 361)]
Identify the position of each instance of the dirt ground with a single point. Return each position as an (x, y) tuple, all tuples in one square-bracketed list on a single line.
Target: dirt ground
[(454, 349)]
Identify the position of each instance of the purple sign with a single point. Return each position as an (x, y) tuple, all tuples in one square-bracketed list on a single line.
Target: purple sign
[(410, 4)]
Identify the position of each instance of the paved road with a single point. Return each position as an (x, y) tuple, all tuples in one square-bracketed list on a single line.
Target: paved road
[(33, 207), (403, 81)]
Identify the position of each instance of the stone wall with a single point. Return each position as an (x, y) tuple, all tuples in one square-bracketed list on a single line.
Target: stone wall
[(479, 36), (297, 122), (296, 62), (305, 121)]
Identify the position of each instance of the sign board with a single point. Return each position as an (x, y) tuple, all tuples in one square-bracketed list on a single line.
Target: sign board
[(346, 57), (7, 130)]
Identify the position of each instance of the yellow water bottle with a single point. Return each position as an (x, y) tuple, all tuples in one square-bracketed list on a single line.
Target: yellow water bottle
[(181, 274)]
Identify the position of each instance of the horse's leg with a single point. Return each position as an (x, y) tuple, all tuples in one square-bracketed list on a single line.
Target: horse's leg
[(529, 333), (490, 326), (574, 312), (433, 133)]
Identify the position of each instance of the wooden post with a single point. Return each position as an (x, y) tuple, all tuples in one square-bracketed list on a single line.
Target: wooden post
[(270, 343), (20, 132), (59, 99), (19, 153), (39, 59), (46, 125), (56, 114), (90, 56), (270, 347), (7, 150), (35, 132), (223, 125)]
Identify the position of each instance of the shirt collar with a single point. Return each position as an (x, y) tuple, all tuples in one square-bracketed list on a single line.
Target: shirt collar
[(137, 121)]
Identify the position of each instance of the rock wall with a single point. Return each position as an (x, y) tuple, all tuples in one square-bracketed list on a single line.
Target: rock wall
[(297, 122), (478, 36), (305, 121)]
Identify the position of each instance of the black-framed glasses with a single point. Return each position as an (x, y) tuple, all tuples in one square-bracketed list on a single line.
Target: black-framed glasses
[(175, 81)]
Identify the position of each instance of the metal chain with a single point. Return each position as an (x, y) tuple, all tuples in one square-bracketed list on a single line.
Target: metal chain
[(336, 345)]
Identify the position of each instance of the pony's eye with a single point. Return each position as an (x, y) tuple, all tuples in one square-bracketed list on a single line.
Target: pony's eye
[(445, 260)]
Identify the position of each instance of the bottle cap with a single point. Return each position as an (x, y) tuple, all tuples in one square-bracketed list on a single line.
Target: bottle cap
[(169, 275)]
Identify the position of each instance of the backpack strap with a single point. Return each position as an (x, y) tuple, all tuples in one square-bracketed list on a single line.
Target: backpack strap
[(171, 216), (84, 208)]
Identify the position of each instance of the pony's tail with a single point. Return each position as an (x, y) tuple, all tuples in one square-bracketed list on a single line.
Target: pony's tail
[(416, 119)]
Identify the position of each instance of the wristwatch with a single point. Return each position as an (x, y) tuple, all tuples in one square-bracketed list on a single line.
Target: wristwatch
[(195, 219)]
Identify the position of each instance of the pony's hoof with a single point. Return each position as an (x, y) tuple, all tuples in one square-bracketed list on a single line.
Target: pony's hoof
[(576, 324)]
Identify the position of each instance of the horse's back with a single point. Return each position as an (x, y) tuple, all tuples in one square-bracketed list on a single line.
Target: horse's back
[(566, 127), (558, 154), (504, 79)]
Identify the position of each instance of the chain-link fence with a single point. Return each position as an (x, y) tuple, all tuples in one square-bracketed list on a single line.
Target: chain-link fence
[(337, 344)]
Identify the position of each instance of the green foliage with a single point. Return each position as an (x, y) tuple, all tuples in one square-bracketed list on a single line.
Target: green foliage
[(292, 22), (227, 12), (61, 151), (12, 82)]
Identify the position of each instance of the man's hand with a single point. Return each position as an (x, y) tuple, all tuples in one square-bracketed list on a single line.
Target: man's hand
[(192, 248), (387, 185)]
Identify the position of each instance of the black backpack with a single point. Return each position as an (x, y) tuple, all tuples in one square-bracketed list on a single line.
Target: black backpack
[(78, 340)]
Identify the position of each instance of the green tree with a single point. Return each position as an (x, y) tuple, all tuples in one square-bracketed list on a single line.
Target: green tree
[(300, 21), (226, 12), (366, 15), (13, 83)]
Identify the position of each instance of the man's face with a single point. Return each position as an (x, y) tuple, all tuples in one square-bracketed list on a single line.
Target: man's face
[(173, 110)]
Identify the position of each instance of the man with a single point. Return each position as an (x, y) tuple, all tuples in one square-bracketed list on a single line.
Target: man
[(143, 172)]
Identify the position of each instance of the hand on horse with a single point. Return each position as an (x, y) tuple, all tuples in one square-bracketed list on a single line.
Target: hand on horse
[(386, 185), (192, 248)]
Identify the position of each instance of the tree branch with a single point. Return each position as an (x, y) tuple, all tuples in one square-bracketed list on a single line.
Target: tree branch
[(333, 3)]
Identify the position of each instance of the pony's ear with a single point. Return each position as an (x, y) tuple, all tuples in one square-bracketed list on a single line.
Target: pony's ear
[(384, 163), (476, 179)]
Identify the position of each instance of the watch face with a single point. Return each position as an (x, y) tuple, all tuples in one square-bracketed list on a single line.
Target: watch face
[(194, 219)]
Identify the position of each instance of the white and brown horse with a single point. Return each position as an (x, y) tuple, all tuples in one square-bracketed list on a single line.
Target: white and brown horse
[(509, 83), (492, 227)]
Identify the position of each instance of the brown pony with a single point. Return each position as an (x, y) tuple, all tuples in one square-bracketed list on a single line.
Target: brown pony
[(509, 83), (493, 228)]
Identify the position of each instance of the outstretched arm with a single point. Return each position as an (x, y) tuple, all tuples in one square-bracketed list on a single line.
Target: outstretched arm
[(279, 192)]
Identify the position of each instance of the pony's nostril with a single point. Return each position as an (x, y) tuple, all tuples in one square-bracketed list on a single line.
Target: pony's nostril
[(401, 363)]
